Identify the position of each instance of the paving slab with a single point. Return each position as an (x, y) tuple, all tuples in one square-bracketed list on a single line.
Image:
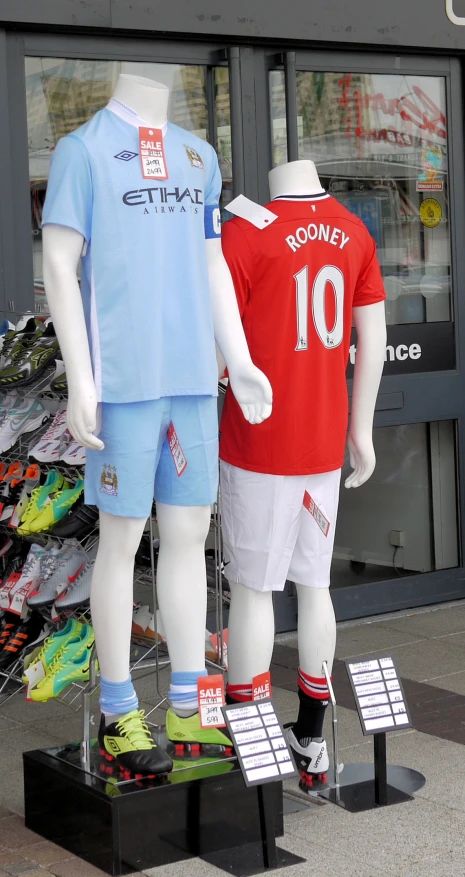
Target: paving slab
[(25, 713), (428, 659), (369, 639), (402, 832), (188, 868), (451, 682), (45, 853), (436, 622), (325, 861)]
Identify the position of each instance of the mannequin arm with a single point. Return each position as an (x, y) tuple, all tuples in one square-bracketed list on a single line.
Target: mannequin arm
[(62, 252), (370, 323), (250, 386)]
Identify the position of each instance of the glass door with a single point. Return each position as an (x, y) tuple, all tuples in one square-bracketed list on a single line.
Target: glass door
[(384, 133)]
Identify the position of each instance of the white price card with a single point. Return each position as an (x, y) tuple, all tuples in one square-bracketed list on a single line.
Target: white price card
[(368, 677), (375, 688), (378, 693), (364, 666), (259, 742)]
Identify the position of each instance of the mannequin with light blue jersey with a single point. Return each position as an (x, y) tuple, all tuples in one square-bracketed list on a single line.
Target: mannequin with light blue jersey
[(142, 381)]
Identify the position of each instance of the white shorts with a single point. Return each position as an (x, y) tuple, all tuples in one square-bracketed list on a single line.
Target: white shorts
[(278, 527)]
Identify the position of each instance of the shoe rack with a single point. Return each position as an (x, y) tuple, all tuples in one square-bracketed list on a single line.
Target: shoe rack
[(148, 656)]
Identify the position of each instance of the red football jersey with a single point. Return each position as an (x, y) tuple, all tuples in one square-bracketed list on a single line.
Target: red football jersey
[(296, 283)]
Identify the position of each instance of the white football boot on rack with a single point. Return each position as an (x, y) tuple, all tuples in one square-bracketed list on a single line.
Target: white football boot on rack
[(30, 572), (73, 454), (70, 561), (78, 592), (27, 415), (312, 761), (47, 449)]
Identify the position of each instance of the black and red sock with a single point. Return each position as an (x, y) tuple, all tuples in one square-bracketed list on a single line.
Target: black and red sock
[(313, 700)]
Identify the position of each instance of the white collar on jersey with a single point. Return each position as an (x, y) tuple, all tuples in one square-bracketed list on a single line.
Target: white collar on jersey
[(320, 196), (128, 115)]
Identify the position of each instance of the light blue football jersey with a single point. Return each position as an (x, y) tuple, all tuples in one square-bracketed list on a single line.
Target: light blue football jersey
[(144, 278)]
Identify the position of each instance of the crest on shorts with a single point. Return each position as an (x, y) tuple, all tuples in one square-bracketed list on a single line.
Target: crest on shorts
[(194, 157), (109, 481)]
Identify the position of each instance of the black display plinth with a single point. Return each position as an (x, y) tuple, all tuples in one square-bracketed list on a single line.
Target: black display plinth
[(202, 808)]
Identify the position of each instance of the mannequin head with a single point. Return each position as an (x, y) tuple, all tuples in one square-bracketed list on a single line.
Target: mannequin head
[(147, 98), (294, 178)]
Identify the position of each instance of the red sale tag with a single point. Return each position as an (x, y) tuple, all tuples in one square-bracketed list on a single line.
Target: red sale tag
[(6, 591), (152, 154), (261, 686), (177, 452), (224, 647), (210, 692), (316, 513)]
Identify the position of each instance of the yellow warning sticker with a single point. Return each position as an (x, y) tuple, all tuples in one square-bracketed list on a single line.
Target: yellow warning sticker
[(430, 212)]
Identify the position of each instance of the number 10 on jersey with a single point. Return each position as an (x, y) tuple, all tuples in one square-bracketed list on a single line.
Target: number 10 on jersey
[(329, 336)]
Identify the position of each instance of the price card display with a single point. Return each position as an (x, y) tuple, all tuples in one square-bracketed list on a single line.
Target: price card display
[(259, 742), (379, 695), (210, 692)]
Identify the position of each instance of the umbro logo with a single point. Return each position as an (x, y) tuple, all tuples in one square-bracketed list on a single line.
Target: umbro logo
[(125, 155)]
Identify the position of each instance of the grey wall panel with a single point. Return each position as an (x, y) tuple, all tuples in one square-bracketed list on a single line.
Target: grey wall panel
[(417, 23), (414, 23), (77, 13)]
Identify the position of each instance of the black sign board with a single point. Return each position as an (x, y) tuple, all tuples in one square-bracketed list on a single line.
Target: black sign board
[(378, 693), (413, 348), (259, 742)]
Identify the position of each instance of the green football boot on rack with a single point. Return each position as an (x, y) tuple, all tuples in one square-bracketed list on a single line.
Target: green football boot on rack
[(56, 509), (129, 742), (55, 645), (59, 384), (17, 341), (72, 664), (189, 737), (40, 496), (30, 357)]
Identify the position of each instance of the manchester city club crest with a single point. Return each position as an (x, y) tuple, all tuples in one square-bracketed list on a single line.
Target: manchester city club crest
[(194, 157), (109, 481)]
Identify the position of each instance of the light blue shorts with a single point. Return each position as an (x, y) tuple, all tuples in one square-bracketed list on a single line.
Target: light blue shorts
[(144, 458)]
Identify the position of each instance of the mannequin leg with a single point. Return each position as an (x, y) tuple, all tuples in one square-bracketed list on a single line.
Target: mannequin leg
[(181, 582), (316, 629), (316, 635), (250, 638), (111, 602), (182, 596)]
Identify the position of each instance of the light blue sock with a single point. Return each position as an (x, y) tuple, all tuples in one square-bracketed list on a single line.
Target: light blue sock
[(183, 692), (117, 698)]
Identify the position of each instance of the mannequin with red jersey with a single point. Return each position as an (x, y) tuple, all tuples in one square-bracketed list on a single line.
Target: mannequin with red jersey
[(302, 277)]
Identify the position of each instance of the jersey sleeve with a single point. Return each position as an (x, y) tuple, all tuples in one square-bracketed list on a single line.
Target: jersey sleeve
[(69, 191), (213, 188), (239, 258), (370, 286)]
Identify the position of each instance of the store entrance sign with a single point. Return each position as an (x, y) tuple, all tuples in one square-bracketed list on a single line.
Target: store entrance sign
[(455, 19), (414, 348)]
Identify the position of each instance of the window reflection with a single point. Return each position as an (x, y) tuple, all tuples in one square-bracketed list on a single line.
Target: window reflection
[(379, 142), (63, 93)]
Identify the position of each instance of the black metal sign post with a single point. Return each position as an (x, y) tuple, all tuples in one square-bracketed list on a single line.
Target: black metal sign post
[(265, 759), (382, 707)]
